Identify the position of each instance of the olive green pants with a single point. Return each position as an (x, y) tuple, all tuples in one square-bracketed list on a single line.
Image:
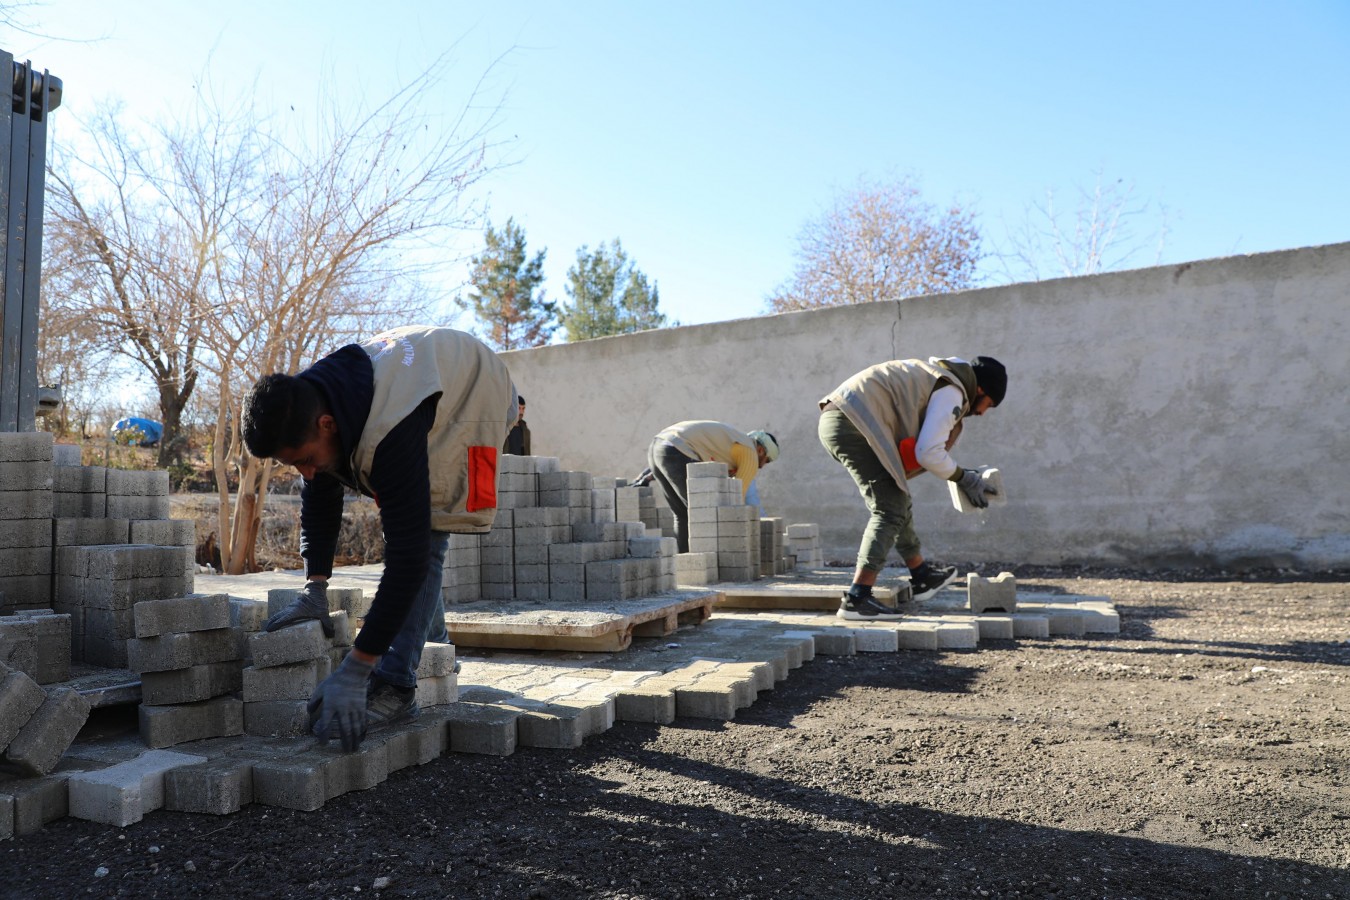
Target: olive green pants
[(892, 521)]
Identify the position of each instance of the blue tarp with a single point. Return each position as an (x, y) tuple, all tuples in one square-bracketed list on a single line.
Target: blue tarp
[(150, 431)]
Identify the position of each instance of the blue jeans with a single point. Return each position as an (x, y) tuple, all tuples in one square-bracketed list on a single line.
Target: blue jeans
[(425, 622)]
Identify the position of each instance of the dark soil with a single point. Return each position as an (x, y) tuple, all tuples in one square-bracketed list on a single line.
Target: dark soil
[(1205, 752)]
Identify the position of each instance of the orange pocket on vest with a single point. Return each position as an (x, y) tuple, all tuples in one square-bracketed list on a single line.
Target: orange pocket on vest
[(482, 478), (908, 459)]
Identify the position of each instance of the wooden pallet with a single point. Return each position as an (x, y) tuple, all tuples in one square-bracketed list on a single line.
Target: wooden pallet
[(588, 627), (816, 589)]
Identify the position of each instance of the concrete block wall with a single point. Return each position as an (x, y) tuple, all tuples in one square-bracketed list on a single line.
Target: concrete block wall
[(803, 542)]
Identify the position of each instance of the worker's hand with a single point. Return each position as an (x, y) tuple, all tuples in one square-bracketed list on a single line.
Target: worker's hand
[(338, 707), (974, 487), (309, 604)]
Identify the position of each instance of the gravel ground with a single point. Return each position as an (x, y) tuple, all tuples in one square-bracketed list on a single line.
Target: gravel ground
[(1203, 752)]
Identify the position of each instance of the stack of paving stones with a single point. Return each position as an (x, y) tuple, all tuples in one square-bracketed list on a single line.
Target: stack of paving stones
[(721, 523), (772, 559), (99, 585), (560, 536), (190, 659), (803, 542), (25, 521), (36, 725), (283, 667)]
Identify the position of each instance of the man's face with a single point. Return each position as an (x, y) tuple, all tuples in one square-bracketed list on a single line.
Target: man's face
[(983, 403), (317, 455), (520, 413), (763, 455)]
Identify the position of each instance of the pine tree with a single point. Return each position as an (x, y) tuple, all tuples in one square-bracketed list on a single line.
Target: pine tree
[(609, 296), (505, 294)]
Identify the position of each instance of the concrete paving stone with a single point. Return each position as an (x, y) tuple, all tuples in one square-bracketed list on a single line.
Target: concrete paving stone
[(122, 794), (28, 475), (482, 728), (194, 612), (75, 531), (297, 781), (995, 627), (997, 593), (26, 561), (80, 506), (47, 734), (38, 801), (836, 641), (643, 704), (437, 659), (353, 601), (66, 454), (138, 482), (20, 698), (294, 681), (247, 614), (276, 718), (702, 470), (437, 690), (292, 644), (359, 770), (19, 644), (120, 507), (876, 639), (743, 689), (532, 555), (21, 533), (548, 725), (165, 726), (215, 787), (803, 530), (713, 701), (78, 479), (1064, 621), (916, 635), (416, 743), (163, 532), (182, 650), (26, 504), (760, 673), (53, 645), (191, 684), (1030, 625), (26, 446)]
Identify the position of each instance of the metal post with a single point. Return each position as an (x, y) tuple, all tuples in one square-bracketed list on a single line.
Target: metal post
[(23, 166)]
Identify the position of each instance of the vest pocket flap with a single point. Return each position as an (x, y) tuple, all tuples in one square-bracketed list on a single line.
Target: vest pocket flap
[(482, 479)]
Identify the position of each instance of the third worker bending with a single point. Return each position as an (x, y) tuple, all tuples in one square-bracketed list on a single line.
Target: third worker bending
[(683, 443), (889, 423)]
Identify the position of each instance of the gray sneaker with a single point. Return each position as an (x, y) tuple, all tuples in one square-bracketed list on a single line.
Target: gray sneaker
[(388, 705)]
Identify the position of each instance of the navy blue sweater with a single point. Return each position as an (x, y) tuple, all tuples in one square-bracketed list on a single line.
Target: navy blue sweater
[(401, 487)]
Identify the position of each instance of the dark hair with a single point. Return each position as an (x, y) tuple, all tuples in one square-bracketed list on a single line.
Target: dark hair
[(990, 375), (282, 411), (520, 398)]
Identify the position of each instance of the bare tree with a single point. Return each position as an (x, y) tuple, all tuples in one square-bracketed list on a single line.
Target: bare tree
[(880, 241), (1107, 229), (233, 250)]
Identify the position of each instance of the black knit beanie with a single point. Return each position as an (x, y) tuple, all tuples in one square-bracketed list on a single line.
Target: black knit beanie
[(991, 376)]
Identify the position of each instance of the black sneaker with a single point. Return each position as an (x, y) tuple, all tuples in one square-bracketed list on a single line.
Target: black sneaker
[(930, 579), (865, 609), (388, 704)]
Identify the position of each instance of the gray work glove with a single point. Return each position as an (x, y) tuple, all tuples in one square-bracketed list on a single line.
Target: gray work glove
[(310, 603), (973, 486), (338, 706)]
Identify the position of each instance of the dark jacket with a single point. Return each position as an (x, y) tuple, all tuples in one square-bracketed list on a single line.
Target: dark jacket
[(402, 491), (518, 440)]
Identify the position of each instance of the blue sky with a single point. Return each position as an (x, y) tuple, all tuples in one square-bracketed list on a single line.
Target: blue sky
[(703, 135)]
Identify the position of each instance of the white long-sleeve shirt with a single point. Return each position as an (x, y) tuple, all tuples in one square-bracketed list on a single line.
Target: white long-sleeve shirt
[(930, 449)]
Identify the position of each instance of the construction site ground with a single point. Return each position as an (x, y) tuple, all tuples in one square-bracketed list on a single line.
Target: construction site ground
[(1204, 751)]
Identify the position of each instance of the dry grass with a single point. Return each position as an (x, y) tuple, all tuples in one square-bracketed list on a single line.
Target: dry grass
[(360, 540)]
